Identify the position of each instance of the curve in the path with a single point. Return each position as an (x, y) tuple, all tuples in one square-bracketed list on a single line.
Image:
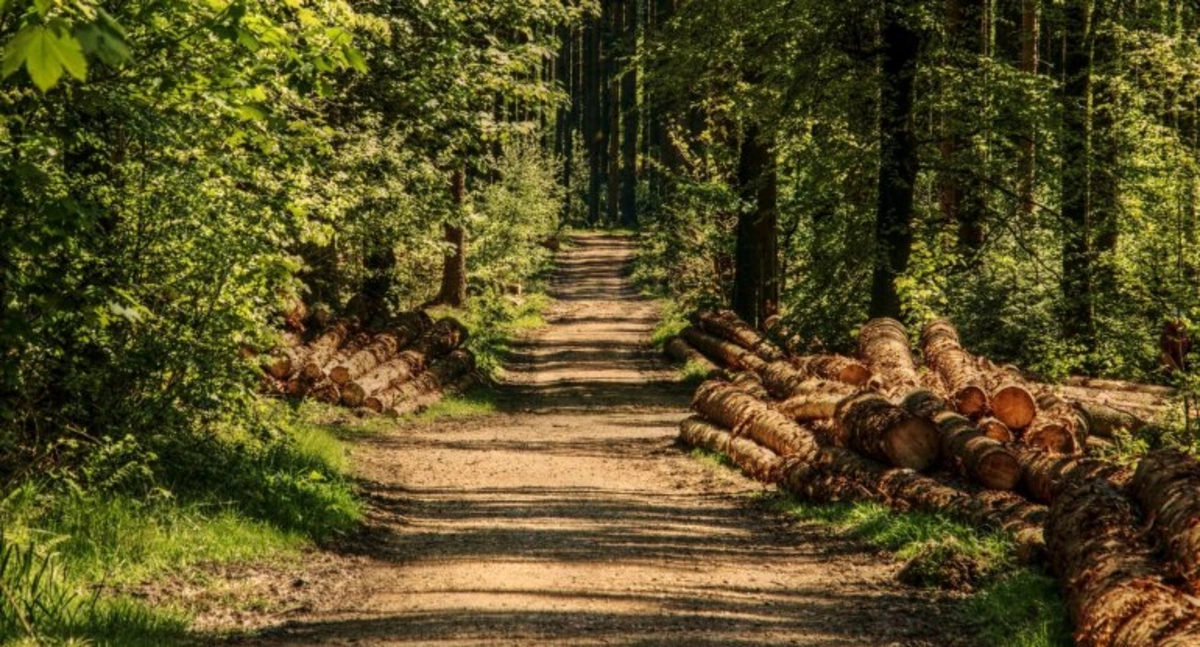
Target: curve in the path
[(572, 518)]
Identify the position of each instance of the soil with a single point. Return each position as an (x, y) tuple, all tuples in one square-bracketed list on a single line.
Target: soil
[(573, 517)]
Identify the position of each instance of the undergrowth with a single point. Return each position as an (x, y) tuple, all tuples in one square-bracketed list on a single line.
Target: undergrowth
[(72, 542), (494, 321)]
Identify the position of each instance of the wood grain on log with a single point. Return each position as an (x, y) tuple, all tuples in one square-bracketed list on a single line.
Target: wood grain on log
[(1167, 484), (1114, 589), (728, 326), (883, 346), (964, 381), (881, 430), (745, 415)]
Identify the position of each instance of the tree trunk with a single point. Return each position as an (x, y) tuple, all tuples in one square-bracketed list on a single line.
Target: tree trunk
[(898, 161), (756, 264), (964, 381), (727, 325), (732, 408), (883, 346), (454, 268), (753, 459), (1167, 484), (835, 367), (383, 347), (1027, 162), (1114, 589), (972, 453), (681, 351), (727, 355), (426, 388), (1078, 257), (870, 424), (593, 133), (1046, 476), (322, 349), (629, 113)]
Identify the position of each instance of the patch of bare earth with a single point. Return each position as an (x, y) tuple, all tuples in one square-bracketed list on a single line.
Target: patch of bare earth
[(573, 518)]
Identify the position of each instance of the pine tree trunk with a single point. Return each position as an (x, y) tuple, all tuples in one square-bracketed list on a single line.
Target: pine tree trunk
[(756, 259), (964, 381), (898, 161), (629, 115), (1077, 258), (1167, 484), (454, 268), (883, 346)]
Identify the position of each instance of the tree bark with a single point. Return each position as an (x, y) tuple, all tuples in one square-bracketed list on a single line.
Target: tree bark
[(1114, 589), (898, 160), (734, 409), (1078, 255), (725, 354), (454, 268), (964, 381), (835, 367), (629, 115), (883, 346), (727, 325), (756, 258), (869, 424), (753, 459), (1167, 484)]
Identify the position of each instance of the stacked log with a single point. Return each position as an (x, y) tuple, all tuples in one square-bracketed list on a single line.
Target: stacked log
[(826, 440), (681, 351), (944, 353), (1115, 590), (1167, 484), (883, 345), (835, 367), (347, 365), (426, 388), (728, 326)]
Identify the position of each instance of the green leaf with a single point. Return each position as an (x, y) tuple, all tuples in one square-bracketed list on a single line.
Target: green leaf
[(46, 55), (355, 59), (14, 51)]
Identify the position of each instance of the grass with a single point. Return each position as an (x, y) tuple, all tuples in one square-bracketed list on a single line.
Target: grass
[(1007, 606), (478, 401), (494, 321), (237, 496)]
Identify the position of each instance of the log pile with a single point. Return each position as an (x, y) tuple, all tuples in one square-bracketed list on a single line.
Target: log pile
[(402, 368), (959, 435)]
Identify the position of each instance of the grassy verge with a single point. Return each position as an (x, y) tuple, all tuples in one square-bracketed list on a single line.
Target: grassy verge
[(494, 321), (1006, 605), (72, 544)]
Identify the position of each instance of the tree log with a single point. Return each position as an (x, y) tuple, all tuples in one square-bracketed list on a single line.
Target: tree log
[(996, 430), (425, 388), (971, 453), (1013, 404), (1059, 427), (380, 349), (681, 351), (883, 431), (1167, 484), (1114, 589), (322, 349), (725, 354), (750, 383), (728, 326), (814, 400), (835, 367), (733, 409), (753, 459), (841, 475), (883, 346), (964, 381), (1165, 392), (1105, 421), (1045, 476)]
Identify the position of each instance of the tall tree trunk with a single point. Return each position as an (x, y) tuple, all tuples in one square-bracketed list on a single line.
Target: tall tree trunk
[(1027, 163), (962, 194), (1078, 322), (612, 109), (629, 112), (756, 262), (593, 134), (898, 163), (454, 267), (1104, 179)]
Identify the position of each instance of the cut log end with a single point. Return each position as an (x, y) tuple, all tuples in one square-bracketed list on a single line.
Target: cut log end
[(1051, 437), (1014, 406), (339, 375), (971, 401), (998, 470), (996, 430), (913, 443)]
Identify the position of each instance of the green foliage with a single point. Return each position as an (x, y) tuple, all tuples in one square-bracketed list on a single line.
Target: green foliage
[(1024, 609)]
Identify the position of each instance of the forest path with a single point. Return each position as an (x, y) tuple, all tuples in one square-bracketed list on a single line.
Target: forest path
[(571, 517)]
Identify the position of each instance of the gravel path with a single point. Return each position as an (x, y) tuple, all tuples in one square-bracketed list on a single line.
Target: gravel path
[(571, 517)]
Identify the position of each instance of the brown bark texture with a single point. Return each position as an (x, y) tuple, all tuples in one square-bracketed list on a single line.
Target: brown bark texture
[(1045, 476), (835, 367), (883, 346), (1167, 485), (426, 388), (682, 352), (813, 399), (382, 347), (753, 459), (725, 354), (745, 415), (943, 352), (972, 453), (1114, 589), (728, 326), (322, 349), (872, 425)]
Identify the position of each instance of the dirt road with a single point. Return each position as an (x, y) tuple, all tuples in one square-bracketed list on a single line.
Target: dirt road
[(572, 517)]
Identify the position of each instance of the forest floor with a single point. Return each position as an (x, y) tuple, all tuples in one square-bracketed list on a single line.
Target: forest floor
[(571, 516)]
